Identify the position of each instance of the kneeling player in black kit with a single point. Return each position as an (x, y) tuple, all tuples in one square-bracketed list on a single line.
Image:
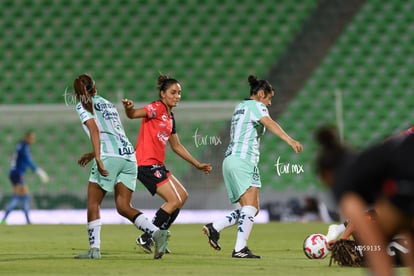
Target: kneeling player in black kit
[(381, 176)]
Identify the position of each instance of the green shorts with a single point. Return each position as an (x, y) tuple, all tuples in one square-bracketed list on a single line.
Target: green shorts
[(239, 175), (120, 170)]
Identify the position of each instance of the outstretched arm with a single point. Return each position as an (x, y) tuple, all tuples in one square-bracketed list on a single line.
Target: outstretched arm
[(181, 151), (277, 130), (131, 112)]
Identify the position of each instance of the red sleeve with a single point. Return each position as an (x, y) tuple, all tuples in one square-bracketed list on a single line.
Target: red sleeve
[(151, 110), (408, 131)]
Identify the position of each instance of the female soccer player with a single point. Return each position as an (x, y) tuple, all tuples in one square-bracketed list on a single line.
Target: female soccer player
[(240, 171), (380, 176), (158, 128), (21, 160), (113, 169)]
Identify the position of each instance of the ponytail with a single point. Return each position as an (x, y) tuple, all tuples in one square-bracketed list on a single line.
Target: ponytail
[(84, 87), (256, 85)]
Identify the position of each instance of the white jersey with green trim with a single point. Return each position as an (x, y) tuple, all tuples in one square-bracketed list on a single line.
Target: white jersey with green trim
[(114, 142), (246, 130)]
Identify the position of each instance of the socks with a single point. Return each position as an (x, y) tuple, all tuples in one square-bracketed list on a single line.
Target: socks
[(173, 216), (245, 226), (162, 219), (26, 206), (24, 200), (229, 220), (143, 224), (94, 233)]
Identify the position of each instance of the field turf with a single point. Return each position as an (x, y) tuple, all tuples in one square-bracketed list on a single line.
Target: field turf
[(49, 250)]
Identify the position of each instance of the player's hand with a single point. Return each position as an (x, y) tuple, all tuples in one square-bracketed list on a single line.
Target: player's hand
[(330, 244), (128, 104), (297, 147), (85, 159), (101, 168), (205, 167), (44, 177)]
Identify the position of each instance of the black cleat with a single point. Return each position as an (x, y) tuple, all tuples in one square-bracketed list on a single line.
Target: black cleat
[(244, 253), (145, 242), (213, 236)]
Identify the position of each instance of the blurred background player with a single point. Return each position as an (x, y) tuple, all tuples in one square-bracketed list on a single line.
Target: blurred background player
[(21, 160), (380, 176), (240, 171), (158, 128), (113, 169)]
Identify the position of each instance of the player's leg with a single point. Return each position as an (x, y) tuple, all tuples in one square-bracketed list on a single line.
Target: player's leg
[(175, 196), (96, 194), (95, 197), (246, 184), (11, 205), (18, 185), (123, 196), (250, 206), (212, 230), (25, 199)]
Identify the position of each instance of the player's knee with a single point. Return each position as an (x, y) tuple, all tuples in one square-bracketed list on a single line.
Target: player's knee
[(183, 199), (122, 208)]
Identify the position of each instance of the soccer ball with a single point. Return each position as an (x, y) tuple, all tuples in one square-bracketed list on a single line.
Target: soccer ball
[(315, 246)]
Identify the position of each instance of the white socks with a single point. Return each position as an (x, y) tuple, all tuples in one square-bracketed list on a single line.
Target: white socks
[(94, 233), (227, 221), (143, 224), (245, 226), (334, 231)]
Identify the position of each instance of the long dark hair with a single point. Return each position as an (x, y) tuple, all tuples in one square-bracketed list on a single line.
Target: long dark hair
[(84, 86), (332, 151), (256, 85)]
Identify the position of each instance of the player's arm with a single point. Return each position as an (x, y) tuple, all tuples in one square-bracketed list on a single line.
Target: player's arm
[(131, 112), (353, 207), (86, 158), (277, 130), (181, 151), (96, 145), (28, 159)]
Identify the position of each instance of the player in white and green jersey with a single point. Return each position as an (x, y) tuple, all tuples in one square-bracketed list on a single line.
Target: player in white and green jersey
[(240, 171), (114, 167), (246, 130), (113, 140)]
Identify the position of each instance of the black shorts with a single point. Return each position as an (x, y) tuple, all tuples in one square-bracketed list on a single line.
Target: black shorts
[(153, 176)]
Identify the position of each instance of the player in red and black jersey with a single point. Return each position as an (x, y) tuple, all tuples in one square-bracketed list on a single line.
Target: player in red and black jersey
[(380, 176), (158, 128)]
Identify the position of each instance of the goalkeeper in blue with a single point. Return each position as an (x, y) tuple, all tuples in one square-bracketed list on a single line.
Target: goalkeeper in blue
[(22, 160)]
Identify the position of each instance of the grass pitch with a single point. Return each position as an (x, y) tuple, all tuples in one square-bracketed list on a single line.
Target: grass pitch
[(49, 250)]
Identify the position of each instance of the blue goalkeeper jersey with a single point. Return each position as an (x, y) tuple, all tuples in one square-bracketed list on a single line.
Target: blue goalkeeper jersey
[(22, 159)]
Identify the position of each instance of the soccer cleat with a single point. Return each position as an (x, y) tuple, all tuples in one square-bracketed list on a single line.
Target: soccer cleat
[(145, 242), (245, 253), (93, 253), (213, 236), (4, 222), (160, 238)]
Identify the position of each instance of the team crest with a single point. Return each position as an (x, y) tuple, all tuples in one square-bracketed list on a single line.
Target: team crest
[(157, 174)]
